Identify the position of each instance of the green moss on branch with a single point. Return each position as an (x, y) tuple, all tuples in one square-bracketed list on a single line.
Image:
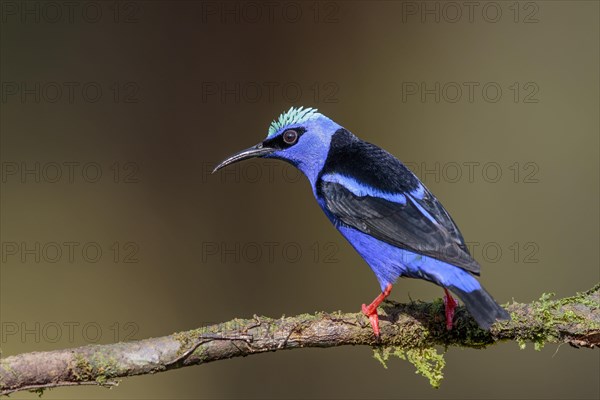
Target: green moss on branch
[(412, 331)]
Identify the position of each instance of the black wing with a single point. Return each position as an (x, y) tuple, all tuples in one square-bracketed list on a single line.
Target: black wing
[(421, 224)]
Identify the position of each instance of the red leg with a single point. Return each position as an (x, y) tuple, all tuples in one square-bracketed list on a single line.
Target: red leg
[(371, 310), (450, 304)]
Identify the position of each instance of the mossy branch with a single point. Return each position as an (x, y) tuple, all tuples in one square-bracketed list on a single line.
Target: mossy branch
[(410, 331)]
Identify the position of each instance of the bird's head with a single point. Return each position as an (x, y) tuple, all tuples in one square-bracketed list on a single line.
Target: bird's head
[(300, 136)]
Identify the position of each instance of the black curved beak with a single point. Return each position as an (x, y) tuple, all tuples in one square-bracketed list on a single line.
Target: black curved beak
[(255, 151)]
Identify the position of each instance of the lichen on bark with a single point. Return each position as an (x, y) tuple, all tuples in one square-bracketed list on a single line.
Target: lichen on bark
[(413, 331)]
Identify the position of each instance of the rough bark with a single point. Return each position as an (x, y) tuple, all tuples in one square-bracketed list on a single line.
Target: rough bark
[(415, 326)]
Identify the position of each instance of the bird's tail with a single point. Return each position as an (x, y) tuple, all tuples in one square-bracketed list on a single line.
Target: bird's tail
[(478, 301), (481, 306)]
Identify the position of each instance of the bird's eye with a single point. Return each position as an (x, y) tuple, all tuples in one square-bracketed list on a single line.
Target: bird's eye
[(290, 136)]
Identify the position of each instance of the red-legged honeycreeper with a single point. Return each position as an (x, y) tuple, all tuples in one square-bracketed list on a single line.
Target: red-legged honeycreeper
[(381, 208)]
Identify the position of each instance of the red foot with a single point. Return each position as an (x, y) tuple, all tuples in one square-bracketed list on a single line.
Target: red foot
[(371, 310), (450, 304)]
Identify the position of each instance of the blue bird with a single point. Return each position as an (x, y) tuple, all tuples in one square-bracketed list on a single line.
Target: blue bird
[(386, 213)]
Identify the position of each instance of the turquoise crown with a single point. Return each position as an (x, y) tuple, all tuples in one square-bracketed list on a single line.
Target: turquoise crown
[(291, 116)]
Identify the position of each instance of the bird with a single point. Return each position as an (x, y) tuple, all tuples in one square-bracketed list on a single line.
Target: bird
[(383, 210)]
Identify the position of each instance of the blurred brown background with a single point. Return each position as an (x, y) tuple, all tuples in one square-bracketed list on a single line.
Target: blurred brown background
[(112, 228)]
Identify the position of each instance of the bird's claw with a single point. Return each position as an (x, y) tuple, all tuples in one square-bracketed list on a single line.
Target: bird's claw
[(371, 313), (450, 304), (371, 310)]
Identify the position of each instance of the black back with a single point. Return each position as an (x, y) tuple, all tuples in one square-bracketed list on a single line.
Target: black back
[(402, 225)]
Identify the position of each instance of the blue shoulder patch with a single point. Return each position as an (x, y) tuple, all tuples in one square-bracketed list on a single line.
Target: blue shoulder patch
[(361, 189)]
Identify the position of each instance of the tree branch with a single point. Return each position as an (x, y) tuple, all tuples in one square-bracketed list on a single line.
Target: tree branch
[(415, 326)]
